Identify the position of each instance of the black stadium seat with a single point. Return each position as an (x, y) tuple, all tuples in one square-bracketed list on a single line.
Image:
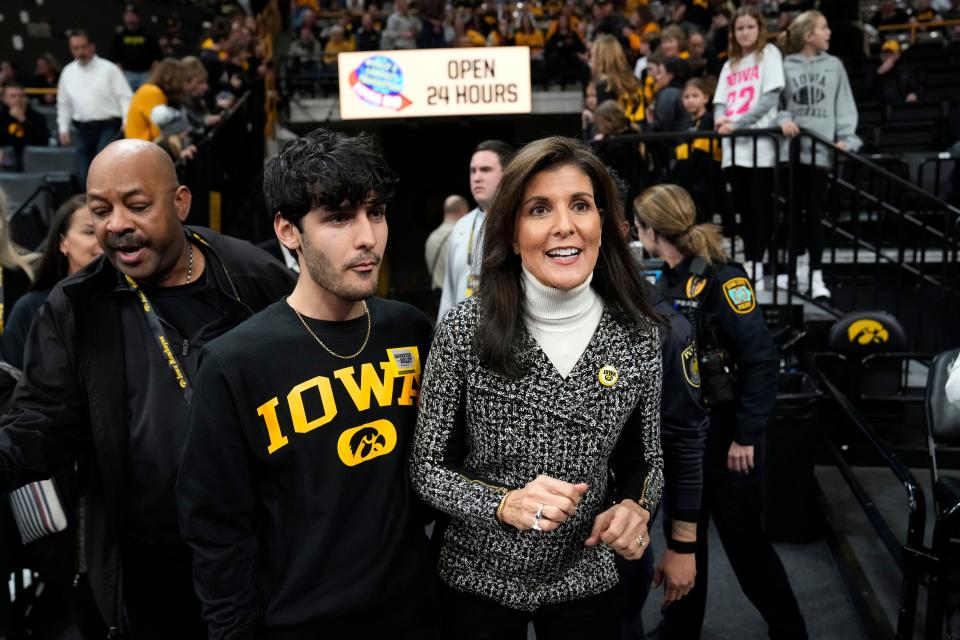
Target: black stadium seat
[(20, 186), (49, 159), (870, 113), (927, 112), (908, 136)]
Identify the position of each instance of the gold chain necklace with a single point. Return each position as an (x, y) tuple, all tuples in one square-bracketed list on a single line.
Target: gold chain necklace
[(366, 311)]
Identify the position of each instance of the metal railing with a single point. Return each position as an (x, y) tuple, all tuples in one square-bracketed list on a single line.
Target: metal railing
[(881, 231)]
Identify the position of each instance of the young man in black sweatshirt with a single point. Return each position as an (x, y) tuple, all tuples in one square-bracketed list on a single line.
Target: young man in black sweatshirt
[(293, 489)]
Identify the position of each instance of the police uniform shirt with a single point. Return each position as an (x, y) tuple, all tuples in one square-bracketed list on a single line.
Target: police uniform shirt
[(725, 305), (683, 421)]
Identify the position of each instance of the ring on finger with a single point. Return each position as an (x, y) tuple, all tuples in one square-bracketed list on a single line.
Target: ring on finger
[(641, 541), (539, 513), (536, 525)]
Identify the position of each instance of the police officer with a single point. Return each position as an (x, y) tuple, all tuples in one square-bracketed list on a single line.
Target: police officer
[(738, 366), (683, 430)]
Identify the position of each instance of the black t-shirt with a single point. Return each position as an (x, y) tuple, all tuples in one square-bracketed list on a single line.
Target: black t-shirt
[(293, 487), (190, 316), (135, 50)]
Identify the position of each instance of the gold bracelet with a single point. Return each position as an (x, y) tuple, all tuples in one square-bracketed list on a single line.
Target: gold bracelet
[(503, 501)]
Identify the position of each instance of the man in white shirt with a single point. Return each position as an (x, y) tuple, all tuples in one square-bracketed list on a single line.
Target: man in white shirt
[(435, 251), (92, 97), (465, 247)]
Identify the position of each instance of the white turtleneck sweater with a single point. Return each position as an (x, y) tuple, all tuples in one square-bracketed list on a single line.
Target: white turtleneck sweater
[(561, 321)]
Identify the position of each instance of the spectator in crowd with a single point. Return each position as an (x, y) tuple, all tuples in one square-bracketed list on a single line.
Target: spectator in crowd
[(352, 558), (747, 97), (337, 43), (502, 36), (587, 125), (888, 13), (645, 21), (435, 251), (611, 22), (98, 384), (673, 43), (166, 86), (462, 276), (614, 79), (817, 97), (93, 98), (695, 13), (697, 167), (648, 42), (134, 49), (500, 462), (306, 53), (668, 113), (923, 11), (46, 75), (528, 35), (8, 71), (702, 60), (621, 153), (367, 36), (892, 82), (721, 305), (173, 133), (196, 91), (70, 245), (17, 264), (566, 55), (20, 124), (402, 28)]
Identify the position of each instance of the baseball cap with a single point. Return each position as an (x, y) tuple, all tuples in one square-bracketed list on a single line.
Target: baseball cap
[(891, 45)]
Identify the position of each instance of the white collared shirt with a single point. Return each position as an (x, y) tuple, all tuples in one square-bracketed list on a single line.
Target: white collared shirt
[(95, 91)]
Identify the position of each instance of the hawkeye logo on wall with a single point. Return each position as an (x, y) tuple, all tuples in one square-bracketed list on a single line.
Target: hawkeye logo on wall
[(434, 82)]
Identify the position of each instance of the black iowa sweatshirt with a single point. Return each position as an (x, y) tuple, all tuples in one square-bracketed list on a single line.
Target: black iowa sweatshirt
[(293, 490)]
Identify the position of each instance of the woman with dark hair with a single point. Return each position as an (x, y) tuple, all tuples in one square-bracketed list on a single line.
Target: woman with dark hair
[(539, 429), (69, 246)]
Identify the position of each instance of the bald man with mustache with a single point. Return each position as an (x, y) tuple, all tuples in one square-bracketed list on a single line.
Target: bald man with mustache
[(108, 375)]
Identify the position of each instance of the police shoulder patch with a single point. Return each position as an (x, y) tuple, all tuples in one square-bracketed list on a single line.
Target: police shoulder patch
[(690, 365), (739, 295), (695, 286)]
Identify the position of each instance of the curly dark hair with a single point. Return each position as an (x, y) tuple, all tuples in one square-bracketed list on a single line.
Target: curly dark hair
[(326, 169)]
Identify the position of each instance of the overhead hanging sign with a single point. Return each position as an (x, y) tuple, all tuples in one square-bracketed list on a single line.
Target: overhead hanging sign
[(434, 82)]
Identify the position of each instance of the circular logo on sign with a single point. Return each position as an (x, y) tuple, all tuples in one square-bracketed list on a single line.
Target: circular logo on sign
[(382, 74), (608, 376)]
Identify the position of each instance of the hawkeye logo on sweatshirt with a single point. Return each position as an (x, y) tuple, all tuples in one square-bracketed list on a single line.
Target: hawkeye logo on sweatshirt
[(364, 388)]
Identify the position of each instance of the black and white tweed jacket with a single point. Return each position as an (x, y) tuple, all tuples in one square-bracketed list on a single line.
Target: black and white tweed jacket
[(480, 434)]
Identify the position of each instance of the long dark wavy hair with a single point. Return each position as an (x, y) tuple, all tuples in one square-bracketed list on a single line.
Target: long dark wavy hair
[(616, 277)]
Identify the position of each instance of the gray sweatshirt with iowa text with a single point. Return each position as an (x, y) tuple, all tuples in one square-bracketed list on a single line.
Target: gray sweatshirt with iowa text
[(817, 97)]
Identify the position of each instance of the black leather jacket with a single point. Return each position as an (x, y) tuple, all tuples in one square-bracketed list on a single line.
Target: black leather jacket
[(71, 403)]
